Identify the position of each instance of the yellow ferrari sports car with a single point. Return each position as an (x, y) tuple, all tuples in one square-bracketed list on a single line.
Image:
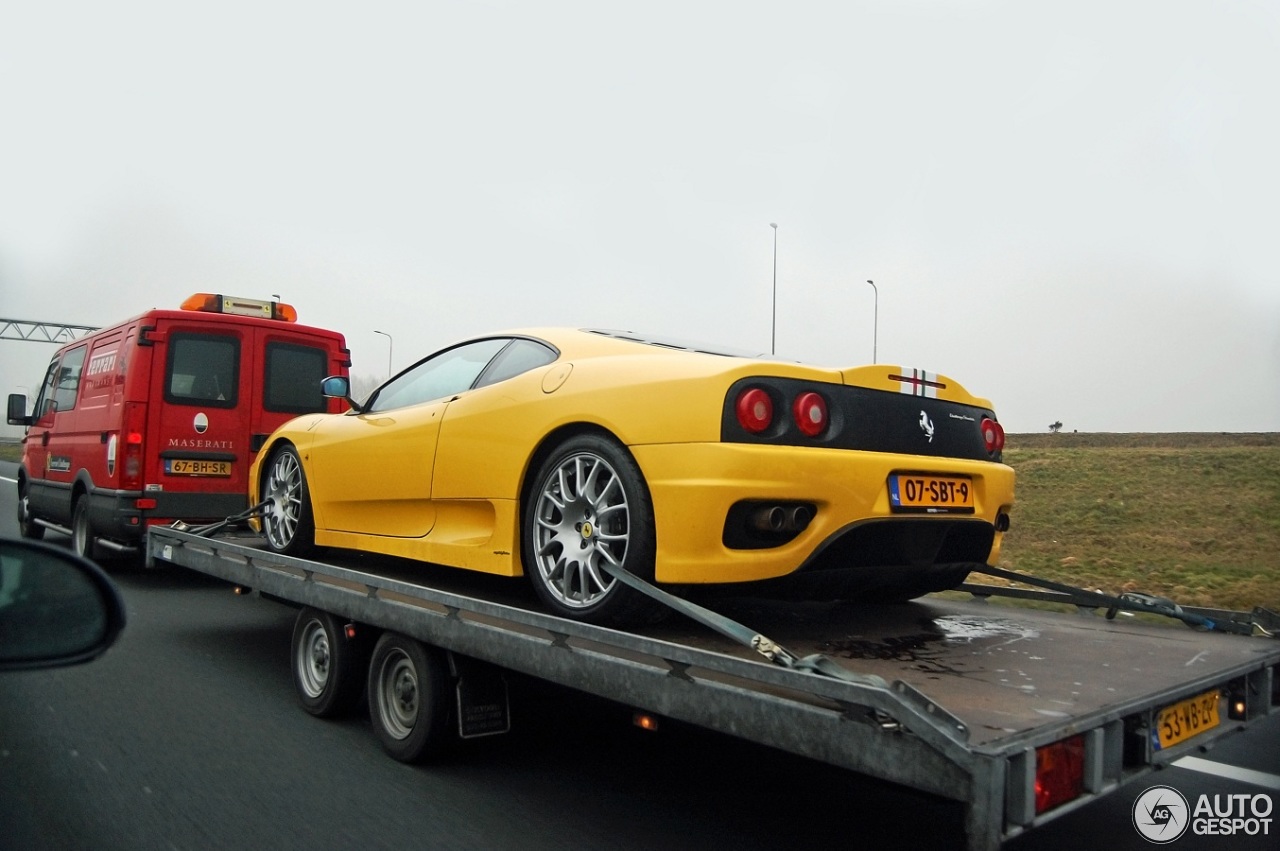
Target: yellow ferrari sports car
[(550, 452)]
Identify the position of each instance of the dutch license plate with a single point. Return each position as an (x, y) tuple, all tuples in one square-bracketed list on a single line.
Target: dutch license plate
[(909, 492), (1185, 719), (190, 467)]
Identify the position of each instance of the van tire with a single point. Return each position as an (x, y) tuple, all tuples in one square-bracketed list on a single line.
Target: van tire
[(27, 527), (83, 543), (287, 522)]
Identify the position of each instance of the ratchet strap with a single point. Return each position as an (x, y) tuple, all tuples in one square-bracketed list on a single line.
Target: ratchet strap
[(208, 529), (1129, 602), (729, 628)]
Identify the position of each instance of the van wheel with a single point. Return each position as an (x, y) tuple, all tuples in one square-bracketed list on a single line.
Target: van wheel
[(82, 540), (27, 527), (287, 520), (409, 698)]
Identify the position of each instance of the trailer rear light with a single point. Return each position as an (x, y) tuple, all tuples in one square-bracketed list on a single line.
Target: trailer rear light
[(810, 412), (992, 436), (1059, 773), (755, 410), (236, 306)]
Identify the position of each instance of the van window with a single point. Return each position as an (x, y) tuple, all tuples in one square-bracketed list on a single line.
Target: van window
[(64, 394), (292, 380), (44, 401), (203, 369)]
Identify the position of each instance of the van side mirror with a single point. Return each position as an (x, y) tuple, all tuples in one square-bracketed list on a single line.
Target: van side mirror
[(18, 410), (56, 608)]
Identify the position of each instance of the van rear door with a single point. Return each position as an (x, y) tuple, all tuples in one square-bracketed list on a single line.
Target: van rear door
[(287, 379), (199, 429)]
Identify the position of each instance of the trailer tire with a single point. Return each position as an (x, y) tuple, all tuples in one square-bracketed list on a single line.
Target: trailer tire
[(409, 698), (328, 668)]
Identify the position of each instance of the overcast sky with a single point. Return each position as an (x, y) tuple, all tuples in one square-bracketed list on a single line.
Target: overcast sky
[(1073, 208)]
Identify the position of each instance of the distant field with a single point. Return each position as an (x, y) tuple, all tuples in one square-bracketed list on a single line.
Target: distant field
[(1194, 517)]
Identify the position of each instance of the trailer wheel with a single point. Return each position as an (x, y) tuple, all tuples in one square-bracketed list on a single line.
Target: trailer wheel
[(82, 540), (287, 522), (328, 668), (409, 698), (589, 505), (27, 527)]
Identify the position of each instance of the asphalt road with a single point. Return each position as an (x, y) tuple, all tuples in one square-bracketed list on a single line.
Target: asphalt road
[(186, 735)]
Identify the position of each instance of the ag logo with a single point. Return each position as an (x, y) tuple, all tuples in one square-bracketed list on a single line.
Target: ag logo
[(1161, 814)]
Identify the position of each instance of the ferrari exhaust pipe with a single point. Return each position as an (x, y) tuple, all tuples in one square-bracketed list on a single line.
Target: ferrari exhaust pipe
[(798, 517), (769, 518), (781, 518)]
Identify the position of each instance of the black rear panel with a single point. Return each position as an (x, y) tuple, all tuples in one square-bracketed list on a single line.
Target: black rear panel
[(864, 419)]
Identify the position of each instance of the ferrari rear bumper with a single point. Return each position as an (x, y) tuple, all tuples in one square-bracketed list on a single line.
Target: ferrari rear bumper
[(694, 488)]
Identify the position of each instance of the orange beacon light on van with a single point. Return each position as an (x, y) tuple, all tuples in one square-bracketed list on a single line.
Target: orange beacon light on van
[(216, 303)]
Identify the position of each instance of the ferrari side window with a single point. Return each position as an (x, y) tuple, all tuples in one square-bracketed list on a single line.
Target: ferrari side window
[(440, 375), (521, 356)]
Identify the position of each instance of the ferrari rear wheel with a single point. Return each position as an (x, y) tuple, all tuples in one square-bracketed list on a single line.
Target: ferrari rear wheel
[(287, 520), (590, 507)]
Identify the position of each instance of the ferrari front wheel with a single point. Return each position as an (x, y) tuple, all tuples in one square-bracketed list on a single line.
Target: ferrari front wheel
[(287, 520), (589, 507)]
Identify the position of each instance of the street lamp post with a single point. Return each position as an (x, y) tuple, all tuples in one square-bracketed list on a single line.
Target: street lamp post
[(875, 326), (390, 343), (773, 334)]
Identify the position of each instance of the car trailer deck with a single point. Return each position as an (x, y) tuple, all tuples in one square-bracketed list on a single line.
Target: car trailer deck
[(969, 701)]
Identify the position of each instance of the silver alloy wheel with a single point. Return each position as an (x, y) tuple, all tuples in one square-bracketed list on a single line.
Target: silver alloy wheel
[(314, 660), (581, 521), (283, 492), (397, 696)]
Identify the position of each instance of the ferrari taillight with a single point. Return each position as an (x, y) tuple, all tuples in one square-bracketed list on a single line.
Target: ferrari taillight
[(754, 409), (992, 435), (810, 412)]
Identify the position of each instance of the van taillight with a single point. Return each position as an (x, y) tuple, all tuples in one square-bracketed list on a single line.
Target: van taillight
[(135, 416)]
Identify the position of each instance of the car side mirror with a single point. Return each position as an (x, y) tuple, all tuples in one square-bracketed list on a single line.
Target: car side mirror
[(56, 608), (339, 387)]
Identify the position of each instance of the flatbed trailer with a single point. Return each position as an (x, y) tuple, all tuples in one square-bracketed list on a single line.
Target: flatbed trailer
[(1022, 715)]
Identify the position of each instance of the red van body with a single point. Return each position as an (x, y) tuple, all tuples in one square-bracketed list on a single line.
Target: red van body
[(158, 418)]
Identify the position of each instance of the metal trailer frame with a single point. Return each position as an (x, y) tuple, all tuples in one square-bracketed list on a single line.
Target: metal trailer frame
[(885, 728)]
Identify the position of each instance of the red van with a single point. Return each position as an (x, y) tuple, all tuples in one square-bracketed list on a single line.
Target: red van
[(158, 418)]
